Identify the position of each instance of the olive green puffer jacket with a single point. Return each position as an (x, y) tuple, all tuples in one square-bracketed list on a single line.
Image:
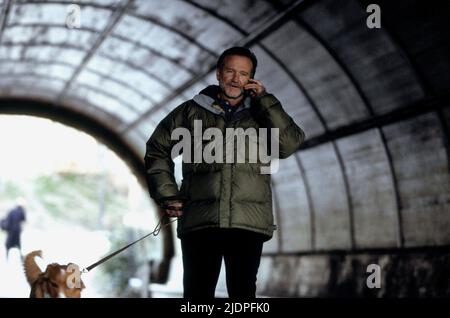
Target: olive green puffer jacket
[(219, 194)]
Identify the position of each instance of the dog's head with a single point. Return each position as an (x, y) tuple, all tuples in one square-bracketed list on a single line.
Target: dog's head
[(63, 280)]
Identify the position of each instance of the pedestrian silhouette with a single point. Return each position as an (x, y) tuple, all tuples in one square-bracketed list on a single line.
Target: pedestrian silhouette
[(12, 224)]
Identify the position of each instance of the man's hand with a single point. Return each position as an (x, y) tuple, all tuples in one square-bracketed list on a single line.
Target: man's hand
[(173, 208), (255, 87)]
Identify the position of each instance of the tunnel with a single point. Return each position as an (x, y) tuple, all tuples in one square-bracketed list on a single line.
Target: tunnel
[(369, 83)]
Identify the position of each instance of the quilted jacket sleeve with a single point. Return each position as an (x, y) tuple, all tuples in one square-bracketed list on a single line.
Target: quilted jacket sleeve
[(272, 114), (158, 161)]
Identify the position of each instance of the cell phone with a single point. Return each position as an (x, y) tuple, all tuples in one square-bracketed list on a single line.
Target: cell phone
[(248, 91)]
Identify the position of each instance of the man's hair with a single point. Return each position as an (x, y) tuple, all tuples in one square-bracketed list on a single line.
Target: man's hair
[(237, 50)]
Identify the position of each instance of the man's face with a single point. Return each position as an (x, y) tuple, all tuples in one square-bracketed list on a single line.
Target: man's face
[(234, 75)]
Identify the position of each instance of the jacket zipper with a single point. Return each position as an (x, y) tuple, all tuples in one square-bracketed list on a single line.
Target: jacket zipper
[(231, 179)]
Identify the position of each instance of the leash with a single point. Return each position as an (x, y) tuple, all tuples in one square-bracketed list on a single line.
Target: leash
[(155, 232)]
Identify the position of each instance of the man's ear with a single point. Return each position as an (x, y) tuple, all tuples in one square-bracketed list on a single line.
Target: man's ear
[(217, 73)]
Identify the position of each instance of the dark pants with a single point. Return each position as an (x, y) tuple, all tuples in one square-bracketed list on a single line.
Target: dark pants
[(203, 251), (12, 240)]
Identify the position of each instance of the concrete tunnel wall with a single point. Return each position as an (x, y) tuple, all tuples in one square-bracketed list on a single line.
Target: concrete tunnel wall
[(371, 183)]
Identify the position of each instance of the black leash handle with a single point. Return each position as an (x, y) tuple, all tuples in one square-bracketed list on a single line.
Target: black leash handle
[(155, 232)]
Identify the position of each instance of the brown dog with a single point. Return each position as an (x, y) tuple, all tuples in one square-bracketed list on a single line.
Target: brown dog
[(53, 283)]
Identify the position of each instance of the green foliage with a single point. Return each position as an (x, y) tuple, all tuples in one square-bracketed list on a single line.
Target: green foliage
[(75, 198), (117, 271), (10, 191)]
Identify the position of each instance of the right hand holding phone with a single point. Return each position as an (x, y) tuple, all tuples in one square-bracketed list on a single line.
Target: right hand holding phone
[(255, 88)]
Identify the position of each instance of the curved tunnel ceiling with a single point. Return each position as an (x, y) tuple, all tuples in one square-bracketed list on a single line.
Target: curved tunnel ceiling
[(362, 96)]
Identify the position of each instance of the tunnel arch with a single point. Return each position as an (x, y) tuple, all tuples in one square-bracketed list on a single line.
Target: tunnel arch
[(133, 61)]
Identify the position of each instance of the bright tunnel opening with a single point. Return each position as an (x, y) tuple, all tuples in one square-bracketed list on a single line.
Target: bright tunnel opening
[(82, 202)]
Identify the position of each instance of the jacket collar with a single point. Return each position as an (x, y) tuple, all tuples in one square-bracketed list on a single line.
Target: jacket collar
[(207, 98)]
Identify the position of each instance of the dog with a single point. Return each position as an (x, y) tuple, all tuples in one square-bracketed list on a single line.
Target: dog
[(54, 282)]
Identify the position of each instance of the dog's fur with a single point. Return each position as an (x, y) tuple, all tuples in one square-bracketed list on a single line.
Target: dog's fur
[(52, 283)]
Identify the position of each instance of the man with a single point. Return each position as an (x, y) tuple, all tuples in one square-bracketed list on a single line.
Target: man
[(224, 209), (12, 224)]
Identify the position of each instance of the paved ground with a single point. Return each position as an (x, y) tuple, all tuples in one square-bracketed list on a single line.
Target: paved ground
[(12, 279), (14, 285)]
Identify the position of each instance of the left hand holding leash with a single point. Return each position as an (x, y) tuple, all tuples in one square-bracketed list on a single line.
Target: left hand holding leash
[(173, 208)]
